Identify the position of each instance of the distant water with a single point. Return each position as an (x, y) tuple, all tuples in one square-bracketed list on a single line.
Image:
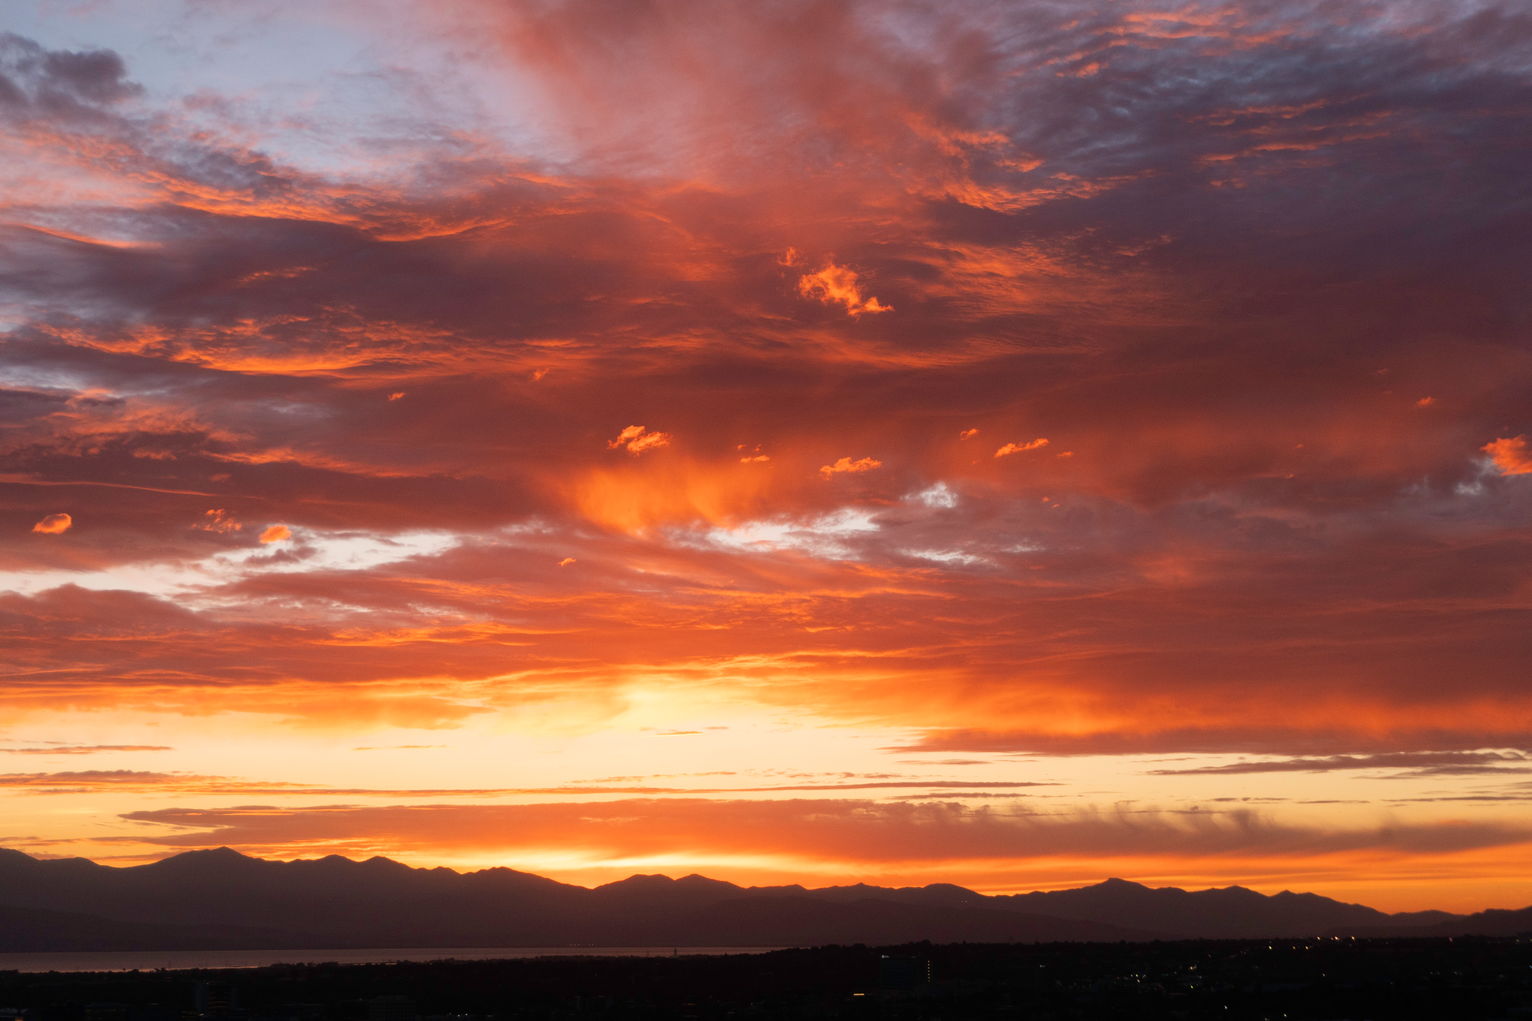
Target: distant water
[(150, 960)]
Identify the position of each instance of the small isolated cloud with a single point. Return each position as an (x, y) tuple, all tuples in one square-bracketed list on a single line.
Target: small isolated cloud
[(968, 434), (218, 520), (1425, 402), (566, 561), (837, 285), (276, 533), (54, 524), (846, 465), (635, 439), (396, 395), (1510, 455), (789, 257), (1021, 448), (751, 455)]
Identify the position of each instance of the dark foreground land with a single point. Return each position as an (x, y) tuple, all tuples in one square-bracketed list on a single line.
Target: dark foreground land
[(1226, 979)]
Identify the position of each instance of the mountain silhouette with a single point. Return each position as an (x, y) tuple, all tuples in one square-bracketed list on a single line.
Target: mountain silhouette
[(1494, 922), (219, 898), (1229, 913)]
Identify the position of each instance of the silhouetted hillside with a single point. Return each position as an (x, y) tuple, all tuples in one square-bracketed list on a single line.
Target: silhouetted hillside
[(223, 899), (1494, 922), (1230, 913)]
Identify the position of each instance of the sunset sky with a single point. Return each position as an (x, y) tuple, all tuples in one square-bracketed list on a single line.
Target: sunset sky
[(1009, 444)]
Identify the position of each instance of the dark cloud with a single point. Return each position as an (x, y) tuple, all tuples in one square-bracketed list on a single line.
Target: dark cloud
[(36, 82), (1318, 743), (1420, 763)]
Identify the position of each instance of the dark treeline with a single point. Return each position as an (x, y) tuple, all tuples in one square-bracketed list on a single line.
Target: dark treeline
[(1467, 979)]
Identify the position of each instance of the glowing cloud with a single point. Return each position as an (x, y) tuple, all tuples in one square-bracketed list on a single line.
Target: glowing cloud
[(837, 285), (1021, 448), (276, 533), (218, 520), (1511, 456), (54, 524), (846, 465), (567, 561), (968, 434), (635, 439)]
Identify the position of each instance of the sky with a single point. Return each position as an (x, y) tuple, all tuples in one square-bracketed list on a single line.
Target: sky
[(1008, 444)]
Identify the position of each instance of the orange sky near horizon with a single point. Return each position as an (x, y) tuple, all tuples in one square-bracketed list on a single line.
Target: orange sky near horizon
[(795, 441)]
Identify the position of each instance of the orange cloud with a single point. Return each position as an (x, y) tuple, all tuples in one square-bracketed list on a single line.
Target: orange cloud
[(837, 285), (635, 439), (218, 520), (968, 434), (1511, 456), (846, 465), (276, 533), (54, 524), (1019, 448), (567, 561)]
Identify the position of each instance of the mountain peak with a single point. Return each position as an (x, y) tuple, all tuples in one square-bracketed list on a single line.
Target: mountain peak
[(212, 854), (1115, 883), (205, 858), (949, 890)]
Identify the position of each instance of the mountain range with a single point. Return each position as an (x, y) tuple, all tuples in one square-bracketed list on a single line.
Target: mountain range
[(221, 899)]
